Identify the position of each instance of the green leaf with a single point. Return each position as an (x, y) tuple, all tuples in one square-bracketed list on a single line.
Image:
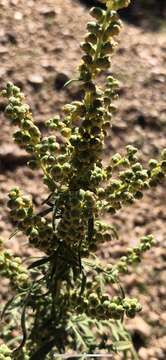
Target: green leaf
[(122, 345), (40, 262), (70, 81)]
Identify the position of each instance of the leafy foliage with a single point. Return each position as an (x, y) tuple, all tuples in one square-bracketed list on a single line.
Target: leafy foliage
[(62, 299)]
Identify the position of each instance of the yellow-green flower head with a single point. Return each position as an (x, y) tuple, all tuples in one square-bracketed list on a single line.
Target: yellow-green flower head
[(116, 4)]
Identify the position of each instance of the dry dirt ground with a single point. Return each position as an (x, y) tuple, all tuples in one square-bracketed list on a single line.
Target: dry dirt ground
[(39, 51)]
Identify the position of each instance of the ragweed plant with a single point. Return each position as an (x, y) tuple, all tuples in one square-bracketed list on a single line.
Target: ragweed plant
[(62, 300)]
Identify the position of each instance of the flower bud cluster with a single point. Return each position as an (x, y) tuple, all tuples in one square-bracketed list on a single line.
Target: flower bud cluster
[(41, 234), (116, 4), (11, 268), (5, 352), (157, 169), (19, 113), (44, 150), (101, 306), (95, 111), (37, 228), (102, 233), (78, 207), (130, 183), (21, 206), (134, 255), (99, 44)]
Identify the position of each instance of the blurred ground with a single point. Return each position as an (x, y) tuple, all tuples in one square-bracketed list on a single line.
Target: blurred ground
[(39, 51)]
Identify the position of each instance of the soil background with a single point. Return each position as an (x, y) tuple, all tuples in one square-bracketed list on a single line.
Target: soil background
[(39, 51)]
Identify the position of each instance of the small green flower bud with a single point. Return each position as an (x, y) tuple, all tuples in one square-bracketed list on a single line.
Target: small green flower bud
[(101, 193), (141, 174), (116, 158), (26, 138), (33, 233), (33, 164), (103, 63), (152, 163), (105, 297), (131, 313), (14, 101), (113, 30), (153, 182), (87, 47), (66, 167), (163, 154), (163, 165), (87, 59), (11, 204), (18, 136), (137, 167), (54, 147), (100, 310), (34, 131), (107, 236), (112, 108), (91, 38), (107, 48), (26, 201), (138, 195), (56, 170), (66, 132), (111, 210), (26, 124), (3, 93), (97, 13), (14, 193), (93, 27), (131, 149), (93, 299), (112, 306), (132, 158), (21, 214)]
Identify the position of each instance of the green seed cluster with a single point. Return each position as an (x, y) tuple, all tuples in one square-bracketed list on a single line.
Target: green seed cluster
[(5, 352)]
